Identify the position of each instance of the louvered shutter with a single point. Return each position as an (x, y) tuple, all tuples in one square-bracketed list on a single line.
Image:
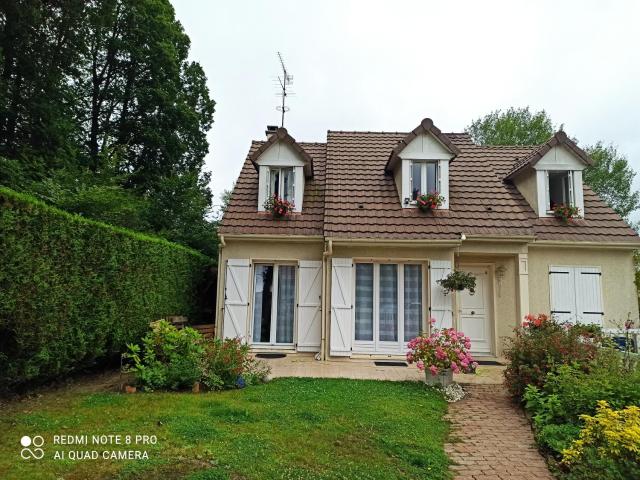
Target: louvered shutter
[(441, 304), (341, 307), (236, 298), (589, 295), (309, 301), (562, 293)]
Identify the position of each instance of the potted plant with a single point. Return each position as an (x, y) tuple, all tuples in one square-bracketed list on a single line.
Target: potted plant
[(429, 201), (457, 281), (279, 207), (441, 354), (566, 212)]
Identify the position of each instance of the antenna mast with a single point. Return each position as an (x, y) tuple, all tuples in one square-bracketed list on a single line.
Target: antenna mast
[(285, 80)]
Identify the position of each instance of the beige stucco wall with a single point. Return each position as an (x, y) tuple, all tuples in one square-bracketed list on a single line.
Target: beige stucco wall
[(618, 289), (526, 184)]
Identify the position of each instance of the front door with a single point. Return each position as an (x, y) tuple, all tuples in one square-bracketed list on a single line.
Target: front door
[(475, 311)]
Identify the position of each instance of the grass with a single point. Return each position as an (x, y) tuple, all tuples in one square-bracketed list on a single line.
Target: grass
[(290, 428)]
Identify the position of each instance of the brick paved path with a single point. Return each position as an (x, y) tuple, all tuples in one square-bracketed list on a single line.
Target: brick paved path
[(494, 439)]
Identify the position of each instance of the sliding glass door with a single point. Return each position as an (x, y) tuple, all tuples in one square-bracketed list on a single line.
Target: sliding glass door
[(274, 296), (388, 306)]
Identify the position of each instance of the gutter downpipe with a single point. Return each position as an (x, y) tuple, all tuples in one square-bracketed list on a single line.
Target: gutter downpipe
[(326, 255), (220, 289)]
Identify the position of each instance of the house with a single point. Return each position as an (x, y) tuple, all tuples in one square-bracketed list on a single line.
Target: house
[(353, 271)]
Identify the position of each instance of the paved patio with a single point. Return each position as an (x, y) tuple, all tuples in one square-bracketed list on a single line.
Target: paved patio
[(491, 438), (306, 366)]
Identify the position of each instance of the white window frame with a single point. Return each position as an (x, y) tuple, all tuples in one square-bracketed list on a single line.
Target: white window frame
[(280, 192), (423, 176), (274, 306), (572, 188), (377, 346)]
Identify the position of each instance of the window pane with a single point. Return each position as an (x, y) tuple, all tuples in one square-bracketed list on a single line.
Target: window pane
[(289, 183), (388, 303), (286, 303), (412, 301), (263, 285), (274, 182), (364, 301), (416, 188), (558, 189), (432, 177)]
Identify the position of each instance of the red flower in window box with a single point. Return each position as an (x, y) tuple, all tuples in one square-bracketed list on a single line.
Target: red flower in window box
[(566, 212), (429, 201), (279, 207)]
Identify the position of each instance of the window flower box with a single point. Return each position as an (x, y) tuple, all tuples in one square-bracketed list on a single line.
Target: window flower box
[(565, 212), (429, 201), (279, 207)]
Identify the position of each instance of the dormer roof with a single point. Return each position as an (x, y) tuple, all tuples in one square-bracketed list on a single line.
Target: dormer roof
[(559, 139), (426, 127), (281, 135)]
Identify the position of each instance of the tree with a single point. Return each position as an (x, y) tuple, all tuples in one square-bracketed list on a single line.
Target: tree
[(612, 178), (516, 126), (102, 113)]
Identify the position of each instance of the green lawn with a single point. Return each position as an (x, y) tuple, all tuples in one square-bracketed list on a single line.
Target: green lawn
[(287, 429)]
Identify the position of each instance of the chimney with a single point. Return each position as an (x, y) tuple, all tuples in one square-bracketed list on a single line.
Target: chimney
[(271, 129)]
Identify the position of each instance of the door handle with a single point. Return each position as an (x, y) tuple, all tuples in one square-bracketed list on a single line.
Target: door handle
[(472, 312)]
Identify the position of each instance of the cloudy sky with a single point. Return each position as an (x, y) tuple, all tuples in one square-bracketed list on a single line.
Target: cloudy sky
[(369, 65)]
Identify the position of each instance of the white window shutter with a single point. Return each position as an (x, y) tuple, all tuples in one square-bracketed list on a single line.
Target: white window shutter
[(589, 295), (298, 187), (263, 186), (578, 194), (441, 304), (341, 307), (406, 182), (309, 302), (542, 191), (443, 181), (562, 293), (236, 298)]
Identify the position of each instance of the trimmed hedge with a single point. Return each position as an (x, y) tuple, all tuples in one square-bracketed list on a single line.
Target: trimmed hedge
[(74, 291)]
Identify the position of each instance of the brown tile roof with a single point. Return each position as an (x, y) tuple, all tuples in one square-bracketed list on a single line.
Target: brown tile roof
[(351, 196), (426, 126), (560, 138)]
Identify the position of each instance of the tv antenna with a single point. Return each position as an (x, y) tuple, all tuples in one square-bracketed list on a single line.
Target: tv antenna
[(285, 81)]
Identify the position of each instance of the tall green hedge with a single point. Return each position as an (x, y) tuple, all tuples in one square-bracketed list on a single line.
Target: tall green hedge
[(74, 291)]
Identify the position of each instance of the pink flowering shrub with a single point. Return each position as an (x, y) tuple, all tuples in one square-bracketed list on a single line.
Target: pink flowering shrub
[(442, 349)]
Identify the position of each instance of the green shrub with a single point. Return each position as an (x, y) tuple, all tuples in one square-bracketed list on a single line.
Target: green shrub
[(541, 344), (227, 363), (170, 359), (74, 291)]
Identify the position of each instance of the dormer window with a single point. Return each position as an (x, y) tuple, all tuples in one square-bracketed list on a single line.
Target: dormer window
[(424, 178), (560, 191), (282, 182)]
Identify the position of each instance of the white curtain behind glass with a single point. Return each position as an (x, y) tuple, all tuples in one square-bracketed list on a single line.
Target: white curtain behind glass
[(388, 303), (364, 301), (286, 303), (412, 301)]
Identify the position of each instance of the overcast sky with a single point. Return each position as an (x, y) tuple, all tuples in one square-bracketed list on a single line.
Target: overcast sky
[(368, 65)]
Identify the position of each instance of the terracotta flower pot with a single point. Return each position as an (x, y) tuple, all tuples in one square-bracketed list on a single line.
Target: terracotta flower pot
[(129, 389), (196, 387), (442, 378)]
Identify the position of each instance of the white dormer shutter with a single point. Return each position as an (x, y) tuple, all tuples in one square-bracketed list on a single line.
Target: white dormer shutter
[(443, 181), (406, 182), (578, 194), (298, 188), (441, 304), (263, 186)]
